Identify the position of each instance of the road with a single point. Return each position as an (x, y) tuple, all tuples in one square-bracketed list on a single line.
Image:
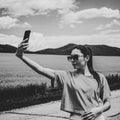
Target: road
[(51, 111)]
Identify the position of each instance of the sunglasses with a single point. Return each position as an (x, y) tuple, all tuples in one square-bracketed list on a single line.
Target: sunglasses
[(73, 57)]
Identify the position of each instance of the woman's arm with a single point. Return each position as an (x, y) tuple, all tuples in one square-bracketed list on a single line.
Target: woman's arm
[(97, 111), (106, 106), (36, 67)]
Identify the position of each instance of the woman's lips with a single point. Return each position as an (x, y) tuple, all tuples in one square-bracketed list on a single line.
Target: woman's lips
[(74, 64)]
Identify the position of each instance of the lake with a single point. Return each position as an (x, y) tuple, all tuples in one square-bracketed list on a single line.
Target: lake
[(104, 64), (13, 71)]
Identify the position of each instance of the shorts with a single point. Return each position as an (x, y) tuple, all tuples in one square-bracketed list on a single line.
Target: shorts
[(74, 116)]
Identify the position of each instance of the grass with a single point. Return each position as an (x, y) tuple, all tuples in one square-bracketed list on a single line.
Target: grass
[(113, 81), (21, 96)]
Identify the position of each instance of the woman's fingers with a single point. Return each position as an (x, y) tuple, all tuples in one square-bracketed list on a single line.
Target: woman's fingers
[(25, 47), (91, 117), (25, 40), (21, 48), (22, 45), (85, 114), (88, 116)]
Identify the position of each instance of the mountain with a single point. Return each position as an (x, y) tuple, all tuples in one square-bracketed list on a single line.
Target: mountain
[(7, 49), (98, 50), (58, 51), (104, 50)]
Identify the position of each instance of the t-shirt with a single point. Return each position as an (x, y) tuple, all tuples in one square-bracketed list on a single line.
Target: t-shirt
[(81, 93)]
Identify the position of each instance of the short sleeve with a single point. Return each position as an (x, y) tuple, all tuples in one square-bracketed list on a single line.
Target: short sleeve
[(105, 92), (60, 77)]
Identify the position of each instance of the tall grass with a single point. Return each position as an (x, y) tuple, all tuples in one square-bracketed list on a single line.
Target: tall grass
[(21, 96), (113, 81), (22, 91)]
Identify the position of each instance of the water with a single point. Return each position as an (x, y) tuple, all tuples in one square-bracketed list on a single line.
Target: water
[(104, 64), (107, 64)]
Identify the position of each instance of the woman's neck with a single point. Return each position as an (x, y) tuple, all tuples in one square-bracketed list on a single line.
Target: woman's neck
[(85, 71)]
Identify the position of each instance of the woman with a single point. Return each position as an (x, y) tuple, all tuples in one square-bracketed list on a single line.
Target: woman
[(85, 92)]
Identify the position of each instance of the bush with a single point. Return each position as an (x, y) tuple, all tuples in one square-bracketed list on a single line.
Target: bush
[(22, 96), (22, 91), (113, 81)]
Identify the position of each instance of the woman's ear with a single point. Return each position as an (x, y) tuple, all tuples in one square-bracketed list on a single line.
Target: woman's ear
[(87, 58)]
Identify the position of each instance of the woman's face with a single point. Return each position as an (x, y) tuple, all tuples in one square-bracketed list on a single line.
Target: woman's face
[(81, 61)]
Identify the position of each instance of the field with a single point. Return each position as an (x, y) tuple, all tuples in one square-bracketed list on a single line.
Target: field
[(20, 86), (14, 72)]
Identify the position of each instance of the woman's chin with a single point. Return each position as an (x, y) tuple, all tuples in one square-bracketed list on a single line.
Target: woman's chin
[(75, 67)]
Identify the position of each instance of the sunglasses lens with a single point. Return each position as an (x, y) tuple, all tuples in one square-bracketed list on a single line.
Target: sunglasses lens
[(72, 57), (75, 57), (69, 58)]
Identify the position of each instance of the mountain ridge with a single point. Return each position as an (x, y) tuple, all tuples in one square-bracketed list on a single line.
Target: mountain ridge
[(97, 50)]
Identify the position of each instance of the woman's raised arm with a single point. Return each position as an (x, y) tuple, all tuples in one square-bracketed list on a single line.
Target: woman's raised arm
[(35, 66)]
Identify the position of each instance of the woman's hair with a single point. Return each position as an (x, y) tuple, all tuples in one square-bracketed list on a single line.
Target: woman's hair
[(87, 51)]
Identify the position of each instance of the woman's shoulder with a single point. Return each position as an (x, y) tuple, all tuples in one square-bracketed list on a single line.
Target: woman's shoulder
[(102, 77), (101, 74), (62, 72)]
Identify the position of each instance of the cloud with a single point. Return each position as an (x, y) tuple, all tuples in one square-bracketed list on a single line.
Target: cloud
[(98, 12), (109, 25), (96, 39), (9, 39), (19, 8), (70, 19), (110, 31), (7, 22), (38, 41), (67, 9), (77, 17)]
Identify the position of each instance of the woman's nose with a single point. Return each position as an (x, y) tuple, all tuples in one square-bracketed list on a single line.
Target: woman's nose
[(73, 61)]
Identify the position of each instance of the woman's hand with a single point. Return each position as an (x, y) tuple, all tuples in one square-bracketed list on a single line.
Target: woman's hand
[(21, 48), (92, 114)]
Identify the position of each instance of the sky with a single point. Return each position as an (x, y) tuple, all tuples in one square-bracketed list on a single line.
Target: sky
[(54, 23)]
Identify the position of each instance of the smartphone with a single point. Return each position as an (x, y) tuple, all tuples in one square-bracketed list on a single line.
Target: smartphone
[(26, 35)]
